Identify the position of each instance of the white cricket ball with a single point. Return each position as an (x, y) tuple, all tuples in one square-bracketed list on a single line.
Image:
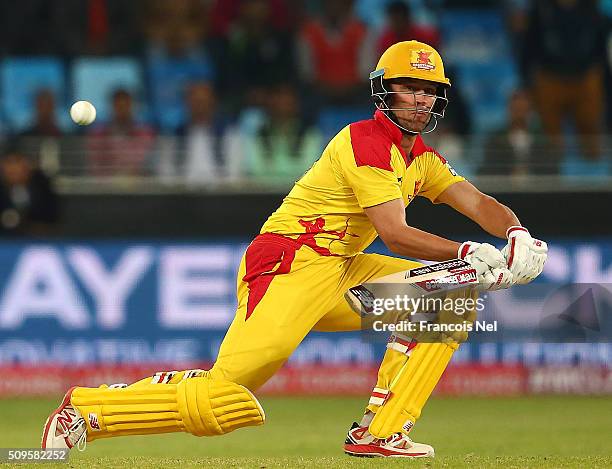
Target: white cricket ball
[(83, 113)]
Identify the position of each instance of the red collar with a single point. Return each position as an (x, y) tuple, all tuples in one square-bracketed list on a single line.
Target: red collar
[(393, 130)]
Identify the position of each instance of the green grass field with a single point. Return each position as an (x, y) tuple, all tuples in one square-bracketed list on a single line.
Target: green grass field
[(542, 432)]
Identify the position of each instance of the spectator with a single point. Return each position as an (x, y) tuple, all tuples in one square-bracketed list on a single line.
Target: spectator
[(284, 146), (562, 60), (515, 14), (44, 124), (372, 12), (177, 26), (209, 148), (333, 55), (452, 133), (518, 148), (457, 116), (606, 8), (25, 28), (122, 146), (97, 27), (178, 52), (256, 55), (28, 202), (224, 13), (400, 26), (42, 139)]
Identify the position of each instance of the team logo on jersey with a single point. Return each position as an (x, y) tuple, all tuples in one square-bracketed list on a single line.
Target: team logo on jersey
[(421, 60), (417, 188)]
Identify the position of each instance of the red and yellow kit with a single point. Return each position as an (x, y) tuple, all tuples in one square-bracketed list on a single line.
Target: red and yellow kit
[(291, 280), (362, 166), (293, 275)]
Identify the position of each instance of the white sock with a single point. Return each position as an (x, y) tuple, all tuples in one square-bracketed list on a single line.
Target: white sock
[(366, 419)]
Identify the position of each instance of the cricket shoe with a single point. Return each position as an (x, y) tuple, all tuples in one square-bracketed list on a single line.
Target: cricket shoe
[(360, 442), (65, 427)]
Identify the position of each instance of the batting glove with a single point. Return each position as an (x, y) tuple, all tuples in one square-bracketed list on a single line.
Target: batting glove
[(524, 255), (490, 265)]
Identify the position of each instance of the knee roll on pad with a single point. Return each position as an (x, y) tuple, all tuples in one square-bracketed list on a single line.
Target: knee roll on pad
[(214, 407)]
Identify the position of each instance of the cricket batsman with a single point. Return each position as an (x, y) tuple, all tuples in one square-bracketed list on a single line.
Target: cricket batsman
[(293, 276)]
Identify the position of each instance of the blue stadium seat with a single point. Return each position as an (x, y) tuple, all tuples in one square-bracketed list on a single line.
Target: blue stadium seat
[(473, 36), (168, 78), (333, 119), (95, 79), (486, 88), (477, 48), (21, 79), (574, 165)]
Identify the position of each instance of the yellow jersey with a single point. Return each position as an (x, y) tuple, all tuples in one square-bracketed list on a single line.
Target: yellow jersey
[(362, 166)]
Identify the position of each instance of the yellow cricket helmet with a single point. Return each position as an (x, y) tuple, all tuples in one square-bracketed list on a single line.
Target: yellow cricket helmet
[(409, 59)]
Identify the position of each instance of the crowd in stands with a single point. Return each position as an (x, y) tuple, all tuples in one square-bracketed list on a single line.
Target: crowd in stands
[(255, 88)]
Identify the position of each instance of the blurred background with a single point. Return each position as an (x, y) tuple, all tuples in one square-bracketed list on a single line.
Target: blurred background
[(119, 241)]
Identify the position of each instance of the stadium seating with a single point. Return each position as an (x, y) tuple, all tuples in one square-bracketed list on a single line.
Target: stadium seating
[(574, 166), (95, 79), (486, 87), (473, 36), (167, 79), (332, 119), (21, 79), (476, 46)]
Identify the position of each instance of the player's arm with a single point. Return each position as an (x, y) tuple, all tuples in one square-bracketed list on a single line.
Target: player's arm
[(494, 217), (524, 255), (389, 219)]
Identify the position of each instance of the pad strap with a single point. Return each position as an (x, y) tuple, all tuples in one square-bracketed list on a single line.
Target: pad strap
[(402, 345), (378, 396)]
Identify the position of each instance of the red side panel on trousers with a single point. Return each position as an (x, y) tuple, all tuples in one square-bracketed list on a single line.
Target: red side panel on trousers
[(267, 256)]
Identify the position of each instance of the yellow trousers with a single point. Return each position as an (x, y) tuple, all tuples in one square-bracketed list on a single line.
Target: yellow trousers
[(285, 291)]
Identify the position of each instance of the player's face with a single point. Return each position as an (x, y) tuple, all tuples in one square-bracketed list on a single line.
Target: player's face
[(412, 101)]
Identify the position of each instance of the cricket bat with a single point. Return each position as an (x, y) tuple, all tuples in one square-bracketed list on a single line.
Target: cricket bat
[(428, 280)]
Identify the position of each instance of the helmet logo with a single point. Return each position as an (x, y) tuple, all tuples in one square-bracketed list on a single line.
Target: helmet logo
[(421, 61)]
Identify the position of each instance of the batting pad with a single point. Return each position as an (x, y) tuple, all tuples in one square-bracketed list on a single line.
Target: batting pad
[(200, 406), (411, 388)]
